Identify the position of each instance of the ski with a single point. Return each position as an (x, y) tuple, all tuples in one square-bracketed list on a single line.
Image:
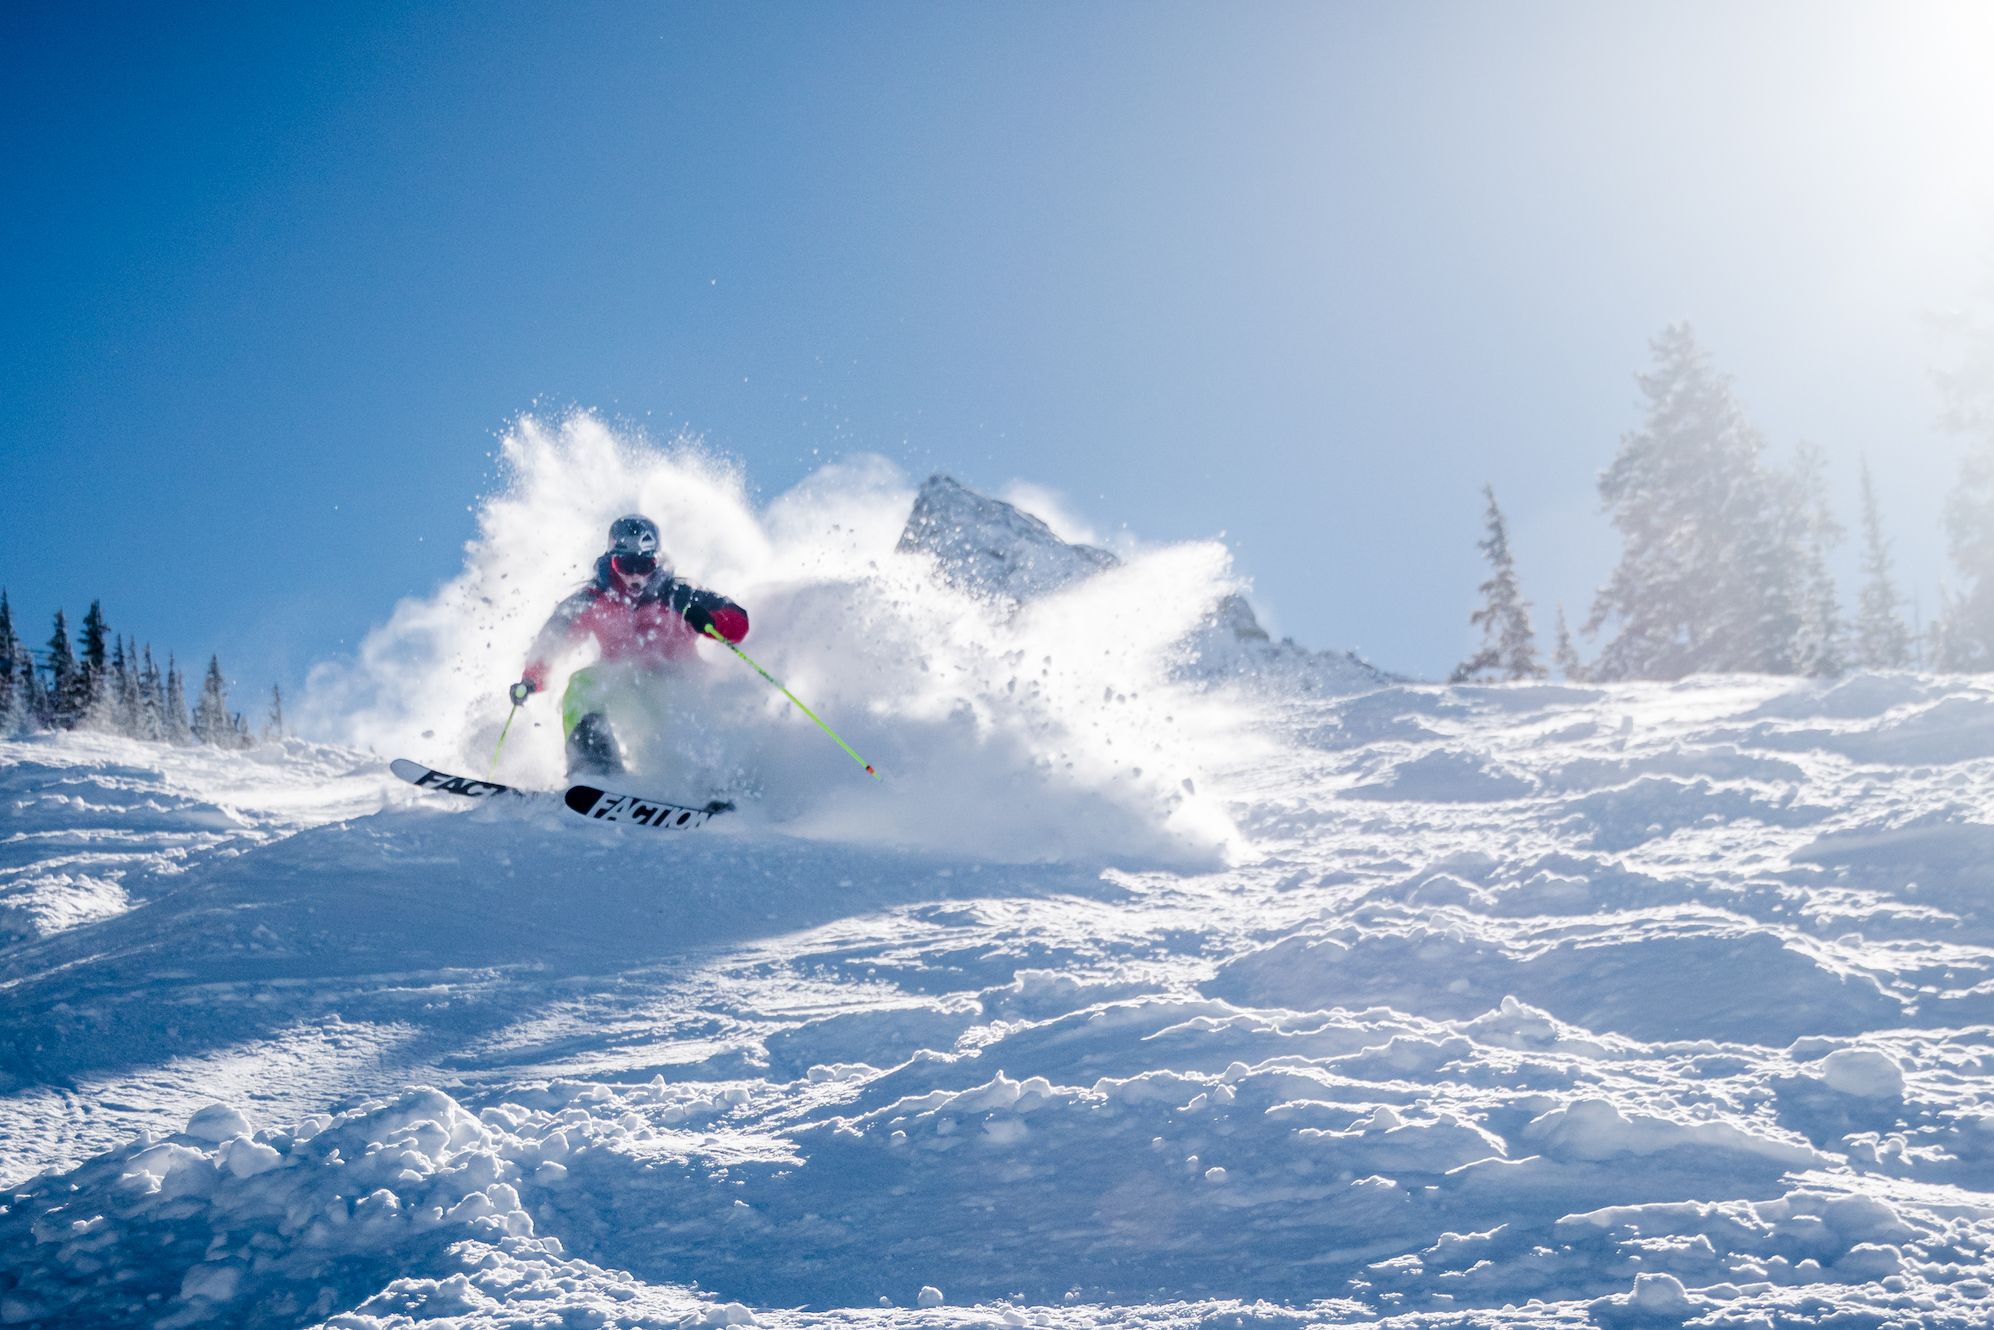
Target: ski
[(596, 804), (445, 782), (606, 806)]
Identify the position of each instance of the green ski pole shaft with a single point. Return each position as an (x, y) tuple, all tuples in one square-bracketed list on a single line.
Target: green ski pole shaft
[(505, 730), (777, 685)]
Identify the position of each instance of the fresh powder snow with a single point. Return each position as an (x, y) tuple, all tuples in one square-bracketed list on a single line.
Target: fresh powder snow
[(1173, 977)]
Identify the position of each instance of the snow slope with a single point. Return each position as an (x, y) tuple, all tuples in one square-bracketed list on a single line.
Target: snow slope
[(1145, 991), (1520, 1006)]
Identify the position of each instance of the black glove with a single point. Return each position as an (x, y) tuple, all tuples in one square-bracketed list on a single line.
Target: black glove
[(522, 690), (699, 617)]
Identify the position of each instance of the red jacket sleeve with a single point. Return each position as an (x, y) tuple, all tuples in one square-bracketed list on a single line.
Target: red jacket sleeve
[(729, 619), (560, 630)]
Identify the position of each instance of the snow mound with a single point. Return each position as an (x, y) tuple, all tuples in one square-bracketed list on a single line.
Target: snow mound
[(215, 1221), (1596, 1129), (1446, 775), (1640, 975), (1863, 1072), (1909, 724), (97, 823)]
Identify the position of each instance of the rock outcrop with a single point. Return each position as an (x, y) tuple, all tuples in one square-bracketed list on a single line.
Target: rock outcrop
[(996, 549)]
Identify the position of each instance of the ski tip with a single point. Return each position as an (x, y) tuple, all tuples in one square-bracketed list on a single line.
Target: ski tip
[(581, 798)]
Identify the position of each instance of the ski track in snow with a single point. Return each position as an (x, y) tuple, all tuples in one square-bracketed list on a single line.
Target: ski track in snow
[(1529, 1006)]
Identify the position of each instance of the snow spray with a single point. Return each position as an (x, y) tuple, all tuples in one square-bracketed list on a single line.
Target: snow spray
[(714, 633), (1055, 729)]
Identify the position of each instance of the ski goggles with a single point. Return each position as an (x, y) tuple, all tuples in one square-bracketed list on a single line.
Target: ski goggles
[(634, 565)]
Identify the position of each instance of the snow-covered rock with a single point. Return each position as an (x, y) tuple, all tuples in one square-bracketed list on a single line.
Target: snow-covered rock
[(993, 548), (987, 545)]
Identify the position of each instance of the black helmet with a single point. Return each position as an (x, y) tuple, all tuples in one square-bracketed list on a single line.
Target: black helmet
[(635, 534)]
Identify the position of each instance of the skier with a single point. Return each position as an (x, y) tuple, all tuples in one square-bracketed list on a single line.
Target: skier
[(644, 619)]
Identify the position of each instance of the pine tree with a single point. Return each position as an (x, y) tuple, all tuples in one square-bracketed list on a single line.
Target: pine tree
[(1703, 581), (1881, 642), (151, 700), (94, 653), (68, 689), (178, 730), (1567, 655), (1810, 532), (212, 724), (13, 688), (273, 726), (104, 709), (37, 711), (96, 667), (126, 674), (1963, 634), (1509, 645)]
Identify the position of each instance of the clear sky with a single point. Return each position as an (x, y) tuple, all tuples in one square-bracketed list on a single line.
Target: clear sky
[(272, 278)]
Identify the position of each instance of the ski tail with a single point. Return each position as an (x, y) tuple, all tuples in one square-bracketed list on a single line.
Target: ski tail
[(445, 782)]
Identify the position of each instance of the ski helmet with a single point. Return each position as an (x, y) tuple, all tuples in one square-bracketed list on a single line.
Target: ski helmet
[(635, 534)]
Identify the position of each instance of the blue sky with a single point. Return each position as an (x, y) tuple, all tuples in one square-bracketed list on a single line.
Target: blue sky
[(273, 279)]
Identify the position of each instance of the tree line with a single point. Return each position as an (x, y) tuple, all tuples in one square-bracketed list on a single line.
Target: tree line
[(1724, 553), (110, 684)]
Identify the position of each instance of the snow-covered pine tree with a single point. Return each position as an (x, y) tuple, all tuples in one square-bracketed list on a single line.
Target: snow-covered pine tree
[(1810, 532), (130, 692), (95, 661), (273, 725), (1702, 582), (178, 730), (38, 710), (1509, 645), (1963, 634), (1880, 641), (68, 690), (1569, 665), (13, 689), (109, 711), (151, 700), (104, 714), (212, 722)]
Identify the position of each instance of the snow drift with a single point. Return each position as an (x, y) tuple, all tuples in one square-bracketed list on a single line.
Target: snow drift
[(1527, 1007)]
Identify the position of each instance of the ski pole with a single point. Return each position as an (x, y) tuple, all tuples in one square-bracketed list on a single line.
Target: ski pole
[(503, 731), (715, 635)]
